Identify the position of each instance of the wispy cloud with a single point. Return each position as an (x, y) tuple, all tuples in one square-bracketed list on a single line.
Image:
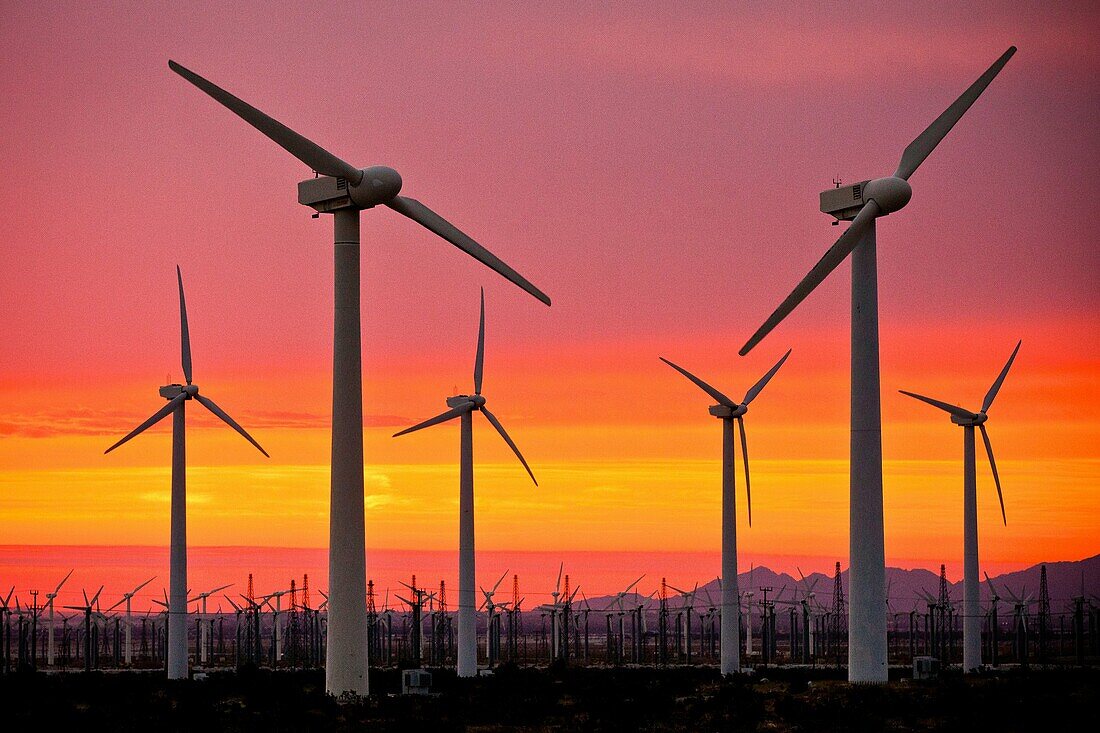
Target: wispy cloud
[(89, 421)]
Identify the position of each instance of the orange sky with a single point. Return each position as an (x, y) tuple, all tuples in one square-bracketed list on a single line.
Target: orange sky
[(666, 201)]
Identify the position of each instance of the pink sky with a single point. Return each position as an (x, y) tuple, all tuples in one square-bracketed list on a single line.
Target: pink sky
[(656, 171)]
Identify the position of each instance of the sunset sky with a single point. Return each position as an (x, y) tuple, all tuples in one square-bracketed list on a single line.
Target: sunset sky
[(654, 168)]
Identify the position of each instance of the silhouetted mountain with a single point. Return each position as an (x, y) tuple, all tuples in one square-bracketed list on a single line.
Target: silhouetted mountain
[(906, 589)]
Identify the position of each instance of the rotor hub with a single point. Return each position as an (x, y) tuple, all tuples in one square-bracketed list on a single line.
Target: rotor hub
[(380, 184), (889, 193)]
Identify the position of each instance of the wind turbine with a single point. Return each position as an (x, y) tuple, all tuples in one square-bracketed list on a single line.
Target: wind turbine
[(862, 203), (200, 598), (126, 597), (729, 411), (343, 191), (491, 615), (972, 621), (464, 406), (86, 609), (178, 395), (49, 635)]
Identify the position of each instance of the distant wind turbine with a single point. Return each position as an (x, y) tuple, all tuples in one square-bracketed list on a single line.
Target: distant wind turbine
[(343, 191), (463, 407), (178, 395), (729, 411), (50, 633), (972, 621), (862, 204), (126, 598)]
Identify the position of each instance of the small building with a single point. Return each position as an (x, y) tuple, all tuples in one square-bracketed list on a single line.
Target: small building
[(926, 668), (416, 682)]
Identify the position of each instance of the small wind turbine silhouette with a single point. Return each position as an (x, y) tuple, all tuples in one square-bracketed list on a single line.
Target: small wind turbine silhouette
[(463, 406), (728, 411), (178, 395), (972, 622), (203, 632), (49, 603), (126, 598), (343, 191), (862, 204)]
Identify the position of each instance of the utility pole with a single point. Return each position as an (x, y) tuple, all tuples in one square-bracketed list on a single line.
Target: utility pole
[(944, 620), (838, 611), (1044, 614)]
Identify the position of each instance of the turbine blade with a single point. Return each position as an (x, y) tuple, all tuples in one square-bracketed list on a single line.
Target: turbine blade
[(992, 590), (185, 335), (504, 434), (442, 417), (755, 390), (479, 360), (946, 407), (715, 394), (145, 584), (95, 598), (301, 148), (992, 393), (153, 420), (119, 603), (745, 457), (836, 254), (209, 405), (993, 465), (927, 141), (432, 221), (58, 588), (503, 575)]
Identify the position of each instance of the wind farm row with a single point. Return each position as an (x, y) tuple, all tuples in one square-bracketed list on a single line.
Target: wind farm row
[(795, 621), (353, 629)]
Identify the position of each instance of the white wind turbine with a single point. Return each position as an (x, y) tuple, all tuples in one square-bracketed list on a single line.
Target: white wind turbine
[(464, 406), (972, 621), (49, 634), (343, 191), (126, 598), (862, 203), (729, 411), (203, 632), (178, 395)]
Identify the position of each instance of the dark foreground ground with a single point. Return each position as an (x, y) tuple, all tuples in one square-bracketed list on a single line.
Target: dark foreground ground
[(557, 700)]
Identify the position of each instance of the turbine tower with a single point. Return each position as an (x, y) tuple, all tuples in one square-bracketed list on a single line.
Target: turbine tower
[(178, 395), (972, 620), (729, 411), (464, 406), (862, 204), (343, 191)]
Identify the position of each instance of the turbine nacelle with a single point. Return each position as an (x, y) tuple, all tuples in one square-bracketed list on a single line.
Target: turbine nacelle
[(172, 391), (844, 202), (462, 399), (724, 412), (973, 421), (378, 184)]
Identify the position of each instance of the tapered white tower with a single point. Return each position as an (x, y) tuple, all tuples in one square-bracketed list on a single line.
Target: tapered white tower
[(463, 407), (729, 411), (972, 615), (343, 191), (862, 204), (178, 395)]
